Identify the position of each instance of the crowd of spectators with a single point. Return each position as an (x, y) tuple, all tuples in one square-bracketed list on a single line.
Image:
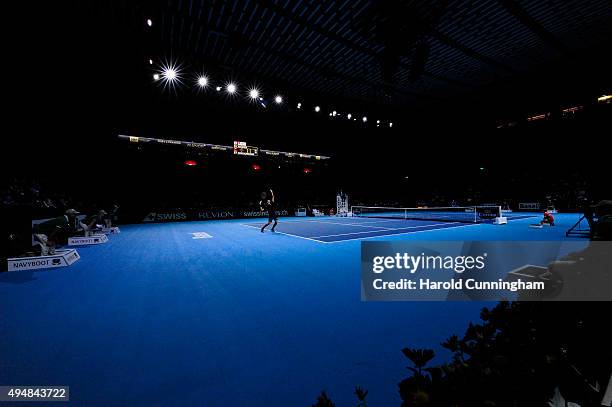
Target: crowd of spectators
[(23, 200), (26, 193)]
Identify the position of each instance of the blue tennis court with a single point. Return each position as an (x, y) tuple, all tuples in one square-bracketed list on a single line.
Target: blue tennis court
[(216, 313), (156, 143), (340, 229)]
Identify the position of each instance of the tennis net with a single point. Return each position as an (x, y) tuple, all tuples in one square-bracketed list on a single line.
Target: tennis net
[(467, 214)]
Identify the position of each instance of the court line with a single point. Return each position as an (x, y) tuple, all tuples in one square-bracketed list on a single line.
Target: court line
[(397, 234), (361, 225), (254, 226), (357, 233), (390, 220), (371, 231), (313, 239), (354, 224), (335, 223), (314, 221), (522, 217), (377, 220), (365, 223)]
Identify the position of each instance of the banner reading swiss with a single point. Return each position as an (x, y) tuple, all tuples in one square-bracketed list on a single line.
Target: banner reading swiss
[(178, 215)]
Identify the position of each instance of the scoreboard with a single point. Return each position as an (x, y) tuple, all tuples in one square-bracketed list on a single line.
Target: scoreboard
[(241, 148)]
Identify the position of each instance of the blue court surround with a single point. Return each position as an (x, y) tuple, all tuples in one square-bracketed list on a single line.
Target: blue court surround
[(158, 318)]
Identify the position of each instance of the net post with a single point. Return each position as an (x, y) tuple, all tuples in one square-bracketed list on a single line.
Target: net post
[(500, 219)]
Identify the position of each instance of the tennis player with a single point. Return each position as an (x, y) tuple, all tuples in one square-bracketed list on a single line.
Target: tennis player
[(268, 204), (548, 219)]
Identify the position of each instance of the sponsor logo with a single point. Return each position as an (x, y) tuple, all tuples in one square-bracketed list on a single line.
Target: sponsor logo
[(86, 240), (165, 216), (80, 241), (150, 217), (488, 213), (210, 214), (253, 214), (176, 142), (215, 215), (61, 259), (171, 216), (31, 263), (200, 235)]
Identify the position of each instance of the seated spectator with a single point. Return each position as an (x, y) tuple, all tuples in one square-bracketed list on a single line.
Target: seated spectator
[(93, 222), (49, 233), (113, 216)]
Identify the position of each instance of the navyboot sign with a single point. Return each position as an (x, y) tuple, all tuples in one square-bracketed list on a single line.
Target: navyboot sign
[(62, 258), (87, 240)]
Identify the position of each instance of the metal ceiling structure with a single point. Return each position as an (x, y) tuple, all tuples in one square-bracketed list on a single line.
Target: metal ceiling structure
[(388, 52)]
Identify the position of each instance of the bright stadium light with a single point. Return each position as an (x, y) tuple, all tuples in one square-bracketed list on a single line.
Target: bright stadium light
[(604, 98), (150, 62), (390, 124), (278, 99), (156, 76), (348, 116), (149, 22), (364, 119), (334, 113), (170, 75), (218, 88), (202, 81), (299, 105), (231, 88), (377, 121), (253, 93), (317, 109)]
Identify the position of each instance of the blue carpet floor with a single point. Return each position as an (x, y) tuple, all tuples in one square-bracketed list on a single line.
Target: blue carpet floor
[(158, 318)]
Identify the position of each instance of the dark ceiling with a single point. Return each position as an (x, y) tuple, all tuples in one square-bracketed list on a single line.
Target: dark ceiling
[(398, 60), (86, 76), (398, 53)]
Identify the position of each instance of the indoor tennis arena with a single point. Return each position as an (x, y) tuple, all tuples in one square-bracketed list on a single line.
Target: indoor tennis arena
[(307, 203)]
